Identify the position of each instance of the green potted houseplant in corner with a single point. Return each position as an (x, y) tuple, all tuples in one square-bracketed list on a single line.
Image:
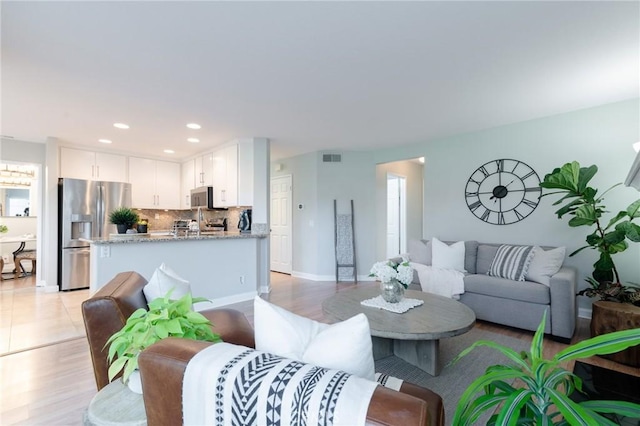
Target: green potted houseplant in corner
[(164, 318), (585, 207), (124, 218), (542, 396)]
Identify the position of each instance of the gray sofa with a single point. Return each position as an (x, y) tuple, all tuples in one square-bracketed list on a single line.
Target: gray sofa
[(518, 304)]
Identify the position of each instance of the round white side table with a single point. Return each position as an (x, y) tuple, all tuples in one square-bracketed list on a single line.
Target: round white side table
[(114, 405)]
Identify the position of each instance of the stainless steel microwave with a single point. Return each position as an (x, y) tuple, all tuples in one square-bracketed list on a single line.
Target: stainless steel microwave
[(202, 197)]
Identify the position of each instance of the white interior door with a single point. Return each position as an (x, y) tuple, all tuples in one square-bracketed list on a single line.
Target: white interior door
[(396, 215), (281, 209)]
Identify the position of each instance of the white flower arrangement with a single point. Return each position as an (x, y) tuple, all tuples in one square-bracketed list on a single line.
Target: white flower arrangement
[(390, 270)]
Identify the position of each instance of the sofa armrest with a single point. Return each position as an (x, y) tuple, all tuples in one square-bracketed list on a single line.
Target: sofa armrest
[(563, 288), (162, 368)]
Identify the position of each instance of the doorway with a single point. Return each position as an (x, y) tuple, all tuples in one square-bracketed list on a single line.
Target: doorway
[(396, 215), (281, 208)]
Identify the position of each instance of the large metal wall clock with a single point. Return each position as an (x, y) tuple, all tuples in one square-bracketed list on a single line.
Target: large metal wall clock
[(503, 191)]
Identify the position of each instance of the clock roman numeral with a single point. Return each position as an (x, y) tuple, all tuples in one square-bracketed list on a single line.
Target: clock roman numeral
[(472, 194), (500, 165), (483, 171), (531, 173), (518, 215), (515, 167), (485, 215), (533, 189), (475, 205), (474, 181), (530, 203), (501, 218)]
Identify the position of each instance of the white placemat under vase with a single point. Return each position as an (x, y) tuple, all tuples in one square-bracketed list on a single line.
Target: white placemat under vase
[(399, 308)]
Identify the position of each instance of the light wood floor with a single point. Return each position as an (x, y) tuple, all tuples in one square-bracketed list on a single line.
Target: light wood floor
[(52, 383)]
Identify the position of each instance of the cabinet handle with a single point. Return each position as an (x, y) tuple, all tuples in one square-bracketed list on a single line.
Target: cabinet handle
[(224, 195), (158, 200), (97, 171), (186, 200)]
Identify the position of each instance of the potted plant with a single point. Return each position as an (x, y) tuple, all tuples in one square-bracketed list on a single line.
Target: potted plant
[(164, 318), (541, 396), (395, 278), (142, 225), (586, 208), (124, 218)]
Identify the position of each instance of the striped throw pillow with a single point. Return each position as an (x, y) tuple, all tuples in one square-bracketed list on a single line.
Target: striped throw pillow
[(511, 262)]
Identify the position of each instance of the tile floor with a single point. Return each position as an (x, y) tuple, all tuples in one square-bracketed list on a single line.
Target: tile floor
[(30, 317)]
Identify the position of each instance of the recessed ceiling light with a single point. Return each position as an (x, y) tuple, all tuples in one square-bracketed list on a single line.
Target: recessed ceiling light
[(194, 126), (104, 140), (169, 151), (121, 125), (193, 140)]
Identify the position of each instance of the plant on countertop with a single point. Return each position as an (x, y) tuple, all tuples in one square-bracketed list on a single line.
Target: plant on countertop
[(3, 229), (586, 209), (390, 270), (543, 397), (165, 318), (123, 216)]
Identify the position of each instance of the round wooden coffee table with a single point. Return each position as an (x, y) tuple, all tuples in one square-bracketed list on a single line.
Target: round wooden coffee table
[(412, 336)]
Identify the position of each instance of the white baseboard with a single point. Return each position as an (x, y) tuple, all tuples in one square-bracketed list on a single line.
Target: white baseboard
[(228, 300), (584, 313), (331, 278)]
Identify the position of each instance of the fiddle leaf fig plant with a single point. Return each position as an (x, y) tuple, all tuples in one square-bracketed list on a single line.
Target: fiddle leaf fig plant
[(542, 396), (164, 318), (585, 208)]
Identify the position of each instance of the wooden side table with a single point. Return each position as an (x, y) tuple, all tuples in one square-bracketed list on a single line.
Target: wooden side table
[(608, 317), (115, 404)]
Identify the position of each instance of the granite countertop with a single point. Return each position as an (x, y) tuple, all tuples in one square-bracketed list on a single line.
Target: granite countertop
[(164, 237)]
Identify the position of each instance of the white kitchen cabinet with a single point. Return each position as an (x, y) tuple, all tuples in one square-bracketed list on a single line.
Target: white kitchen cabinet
[(204, 170), (225, 176), (154, 184), (90, 165), (187, 182)]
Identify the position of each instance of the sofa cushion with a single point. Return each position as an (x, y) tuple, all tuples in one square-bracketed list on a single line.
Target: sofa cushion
[(511, 262), (544, 264), (163, 280), (470, 256), (526, 291), (420, 251), (448, 256), (486, 254)]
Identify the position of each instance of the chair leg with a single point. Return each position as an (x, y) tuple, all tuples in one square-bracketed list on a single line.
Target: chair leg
[(1, 268)]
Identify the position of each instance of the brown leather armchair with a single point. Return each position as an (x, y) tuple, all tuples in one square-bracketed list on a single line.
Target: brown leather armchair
[(162, 365)]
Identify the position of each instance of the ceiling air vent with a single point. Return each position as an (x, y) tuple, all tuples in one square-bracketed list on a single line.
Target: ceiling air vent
[(331, 158)]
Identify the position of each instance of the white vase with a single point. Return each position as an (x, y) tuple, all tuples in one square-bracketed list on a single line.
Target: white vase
[(135, 382)]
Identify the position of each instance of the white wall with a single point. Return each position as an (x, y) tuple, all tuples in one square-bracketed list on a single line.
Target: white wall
[(601, 136)]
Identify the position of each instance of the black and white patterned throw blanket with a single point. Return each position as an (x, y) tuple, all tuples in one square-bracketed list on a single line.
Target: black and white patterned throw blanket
[(227, 384)]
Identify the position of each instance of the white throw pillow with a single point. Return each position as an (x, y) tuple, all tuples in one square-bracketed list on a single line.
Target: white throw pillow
[(420, 252), (343, 346), (446, 256), (163, 280), (544, 264)]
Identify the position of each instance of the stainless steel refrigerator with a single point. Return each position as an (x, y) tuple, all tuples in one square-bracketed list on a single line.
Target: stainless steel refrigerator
[(83, 212)]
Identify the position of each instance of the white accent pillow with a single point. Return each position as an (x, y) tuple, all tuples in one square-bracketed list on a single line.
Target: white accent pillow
[(544, 264), (446, 256), (420, 252), (343, 346), (163, 280)]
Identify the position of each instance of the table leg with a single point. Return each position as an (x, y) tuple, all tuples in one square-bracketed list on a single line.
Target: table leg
[(421, 353), (16, 265), (382, 347)]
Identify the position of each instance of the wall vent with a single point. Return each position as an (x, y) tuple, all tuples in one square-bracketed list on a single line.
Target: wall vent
[(331, 158)]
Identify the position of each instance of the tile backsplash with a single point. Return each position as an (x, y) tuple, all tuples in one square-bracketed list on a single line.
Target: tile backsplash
[(166, 217)]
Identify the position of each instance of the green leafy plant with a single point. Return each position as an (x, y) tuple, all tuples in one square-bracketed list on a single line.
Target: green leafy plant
[(165, 318), (542, 398), (3, 229), (586, 209), (123, 216)]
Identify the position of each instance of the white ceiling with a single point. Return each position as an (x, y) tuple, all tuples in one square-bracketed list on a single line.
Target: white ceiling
[(308, 75)]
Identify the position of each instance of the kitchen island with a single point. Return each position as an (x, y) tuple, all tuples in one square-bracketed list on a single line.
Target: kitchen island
[(225, 267)]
